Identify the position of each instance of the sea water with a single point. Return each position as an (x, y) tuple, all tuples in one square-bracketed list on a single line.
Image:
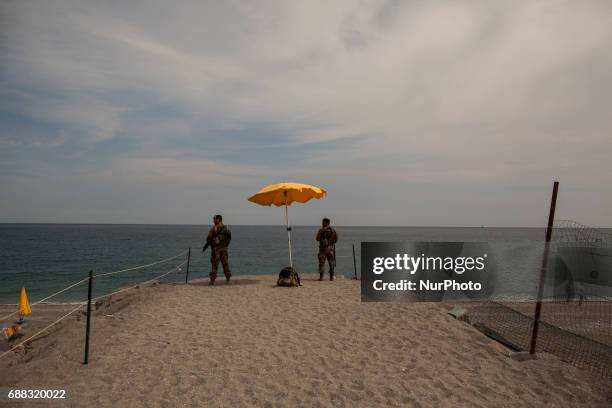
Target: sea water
[(44, 258)]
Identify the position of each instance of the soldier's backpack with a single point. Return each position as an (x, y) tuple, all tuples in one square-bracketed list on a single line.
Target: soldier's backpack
[(288, 277), (329, 237)]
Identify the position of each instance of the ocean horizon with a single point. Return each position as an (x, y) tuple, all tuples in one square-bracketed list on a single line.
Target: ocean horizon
[(45, 257)]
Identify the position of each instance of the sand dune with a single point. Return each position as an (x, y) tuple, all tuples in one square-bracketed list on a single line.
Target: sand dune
[(251, 344)]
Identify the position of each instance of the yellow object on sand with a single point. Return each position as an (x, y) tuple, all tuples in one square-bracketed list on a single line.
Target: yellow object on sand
[(10, 332), (275, 194), (24, 305), (285, 194)]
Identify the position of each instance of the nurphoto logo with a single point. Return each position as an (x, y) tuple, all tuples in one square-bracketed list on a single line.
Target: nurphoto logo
[(424, 271)]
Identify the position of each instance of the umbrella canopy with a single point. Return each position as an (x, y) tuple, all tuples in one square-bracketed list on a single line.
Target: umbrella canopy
[(285, 194)]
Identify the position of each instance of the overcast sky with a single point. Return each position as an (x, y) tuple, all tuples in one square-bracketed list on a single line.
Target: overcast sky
[(408, 113)]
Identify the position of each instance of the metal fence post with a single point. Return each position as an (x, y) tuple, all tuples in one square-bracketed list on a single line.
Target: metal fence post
[(536, 317), (188, 260), (88, 325), (354, 262)]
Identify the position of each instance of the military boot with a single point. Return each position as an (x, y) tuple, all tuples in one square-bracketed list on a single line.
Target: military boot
[(331, 276), (320, 276)]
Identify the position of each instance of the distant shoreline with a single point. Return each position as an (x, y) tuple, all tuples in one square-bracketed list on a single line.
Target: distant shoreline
[(270, 225), (293, 226)]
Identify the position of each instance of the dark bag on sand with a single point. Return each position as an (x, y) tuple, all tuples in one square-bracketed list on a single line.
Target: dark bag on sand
[(288, 277)]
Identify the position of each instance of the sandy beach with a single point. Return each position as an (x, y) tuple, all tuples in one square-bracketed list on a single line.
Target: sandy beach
[(253, 344)]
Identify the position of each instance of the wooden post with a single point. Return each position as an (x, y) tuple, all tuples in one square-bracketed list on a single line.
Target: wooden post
[(88, 324), (188, 259), (354, 262), (538, 309)]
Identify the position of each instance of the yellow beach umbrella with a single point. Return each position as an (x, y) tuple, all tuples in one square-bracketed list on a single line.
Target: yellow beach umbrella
[(24, 305), (286, 194)]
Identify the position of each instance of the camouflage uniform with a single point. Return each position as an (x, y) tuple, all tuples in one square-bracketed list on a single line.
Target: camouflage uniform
[(327, 238), (219, 238)]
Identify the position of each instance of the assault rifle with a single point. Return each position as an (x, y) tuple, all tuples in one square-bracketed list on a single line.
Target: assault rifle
[(208, 241), (334, 250)]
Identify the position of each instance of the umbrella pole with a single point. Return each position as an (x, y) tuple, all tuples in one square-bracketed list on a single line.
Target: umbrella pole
[(288, 229)]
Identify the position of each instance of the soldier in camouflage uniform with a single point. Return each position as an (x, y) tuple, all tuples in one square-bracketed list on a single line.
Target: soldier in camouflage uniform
[(219, 238), (327, 238)]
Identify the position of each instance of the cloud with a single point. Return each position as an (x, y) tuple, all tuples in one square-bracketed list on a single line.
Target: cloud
[(432, 104)]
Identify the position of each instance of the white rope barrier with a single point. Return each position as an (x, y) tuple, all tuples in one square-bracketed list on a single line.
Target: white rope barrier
[(47, 298), (46, 328), (141, 266), (95, 276), (177, 267)]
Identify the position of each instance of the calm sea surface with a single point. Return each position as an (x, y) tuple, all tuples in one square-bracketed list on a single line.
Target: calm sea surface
[(47, 257)]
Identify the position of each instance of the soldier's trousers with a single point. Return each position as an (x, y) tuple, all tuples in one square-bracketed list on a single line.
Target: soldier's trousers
[(326, 254), (216, 256)]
